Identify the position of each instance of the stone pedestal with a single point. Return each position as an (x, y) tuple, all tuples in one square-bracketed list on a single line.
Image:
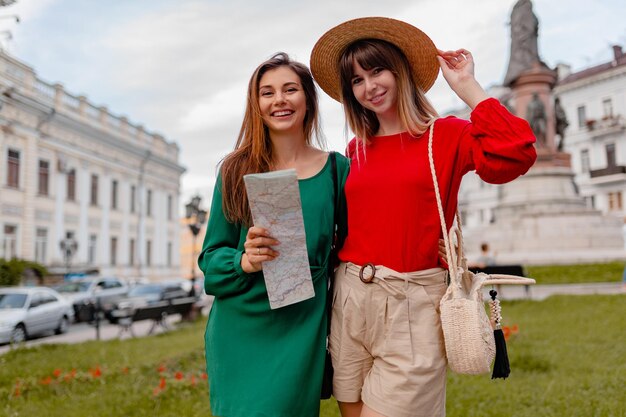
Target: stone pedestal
[(541, 219)]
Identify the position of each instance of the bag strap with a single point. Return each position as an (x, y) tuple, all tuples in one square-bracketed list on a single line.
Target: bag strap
[(451, 257), (333, 247)]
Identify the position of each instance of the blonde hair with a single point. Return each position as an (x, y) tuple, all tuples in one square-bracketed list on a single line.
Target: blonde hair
[(415, 111), (253, 149)]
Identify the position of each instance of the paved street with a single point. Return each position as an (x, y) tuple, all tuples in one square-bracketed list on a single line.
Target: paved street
[(82, 332), (541, 292)]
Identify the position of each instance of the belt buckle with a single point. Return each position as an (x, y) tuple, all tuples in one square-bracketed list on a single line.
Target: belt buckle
[(369, 279)]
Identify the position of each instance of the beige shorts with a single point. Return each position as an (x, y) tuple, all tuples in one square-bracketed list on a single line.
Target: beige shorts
[(386, 340)]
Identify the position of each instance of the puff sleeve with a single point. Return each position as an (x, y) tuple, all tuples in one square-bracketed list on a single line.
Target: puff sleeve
[(220, 259)]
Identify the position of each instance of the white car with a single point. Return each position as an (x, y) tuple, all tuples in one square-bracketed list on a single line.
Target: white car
[(30, 311)]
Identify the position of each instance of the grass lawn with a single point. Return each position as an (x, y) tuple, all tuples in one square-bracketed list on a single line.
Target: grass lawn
[(567, 359), (574, 274)]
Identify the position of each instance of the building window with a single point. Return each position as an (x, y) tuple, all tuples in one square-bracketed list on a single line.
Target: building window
[(148, 252), (169, 207), (149, 203), (584, 161), (114, 194), (615, 201), (13, 168), (44, 176), (131, 252), (607, 106), (41, 242), (169, 253), (9, 241), (94, 190), (113, 251), (133, 192), (610, 155), (91, 250), (71, 185), (582, 116)]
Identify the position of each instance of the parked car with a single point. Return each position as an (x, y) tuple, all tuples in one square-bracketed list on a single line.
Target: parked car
[(85, 294), (145, 295), (30, 311)]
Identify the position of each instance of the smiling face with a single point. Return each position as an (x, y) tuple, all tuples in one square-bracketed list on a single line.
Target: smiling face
[(282, 101), (375, 89)]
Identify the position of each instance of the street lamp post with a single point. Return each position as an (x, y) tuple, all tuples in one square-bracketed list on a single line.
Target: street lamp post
[(196, 218), (68, 247)]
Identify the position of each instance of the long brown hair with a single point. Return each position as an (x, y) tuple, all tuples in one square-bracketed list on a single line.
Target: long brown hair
[(414, 109), (253, 149)]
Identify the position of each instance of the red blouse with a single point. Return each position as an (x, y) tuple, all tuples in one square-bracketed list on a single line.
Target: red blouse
[(392, 211)]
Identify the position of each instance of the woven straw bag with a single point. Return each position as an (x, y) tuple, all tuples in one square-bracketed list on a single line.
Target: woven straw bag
[(468, 332)]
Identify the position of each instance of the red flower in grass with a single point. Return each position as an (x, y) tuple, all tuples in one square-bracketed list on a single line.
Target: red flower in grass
[(17, 390), (514, 329), (46, 381), (56, 373), (125, 370), (161, 368), (204, 376), (506, 330), (179, 376), (193, 380), (96, 372), (162, 383)]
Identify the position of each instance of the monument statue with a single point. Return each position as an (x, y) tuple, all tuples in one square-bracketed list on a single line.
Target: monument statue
[(524, 34), (536, 117), (561, 123)]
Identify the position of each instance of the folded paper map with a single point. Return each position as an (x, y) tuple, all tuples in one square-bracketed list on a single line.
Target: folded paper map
[(275, 205)]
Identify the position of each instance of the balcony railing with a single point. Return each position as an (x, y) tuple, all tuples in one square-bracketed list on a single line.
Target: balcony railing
[(611, 170)]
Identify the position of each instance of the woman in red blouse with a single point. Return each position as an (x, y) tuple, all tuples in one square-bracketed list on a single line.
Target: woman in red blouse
[(386, 338)]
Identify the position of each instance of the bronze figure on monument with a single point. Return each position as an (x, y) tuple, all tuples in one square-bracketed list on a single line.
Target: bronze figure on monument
[(561, 123), (536, 116)]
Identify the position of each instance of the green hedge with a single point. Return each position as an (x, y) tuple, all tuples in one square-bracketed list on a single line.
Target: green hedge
[(12, 271)]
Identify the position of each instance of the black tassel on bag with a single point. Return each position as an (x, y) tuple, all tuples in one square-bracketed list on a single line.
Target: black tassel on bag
[(501, 368)]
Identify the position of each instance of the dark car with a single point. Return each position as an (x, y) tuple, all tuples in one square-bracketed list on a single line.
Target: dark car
[(144, 295), (88, 293)]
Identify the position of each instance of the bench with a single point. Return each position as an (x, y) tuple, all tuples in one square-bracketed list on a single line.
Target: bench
[(157, 312)]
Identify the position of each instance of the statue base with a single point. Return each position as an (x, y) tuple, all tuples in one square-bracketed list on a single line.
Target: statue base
[(541, 219)]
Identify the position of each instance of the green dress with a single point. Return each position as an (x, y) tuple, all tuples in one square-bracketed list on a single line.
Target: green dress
[(263, 362)]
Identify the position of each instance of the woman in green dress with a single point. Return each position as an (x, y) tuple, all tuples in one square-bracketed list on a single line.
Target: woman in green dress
[(264, 362)]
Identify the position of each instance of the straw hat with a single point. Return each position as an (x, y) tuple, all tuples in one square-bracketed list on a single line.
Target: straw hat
[(415, 44)]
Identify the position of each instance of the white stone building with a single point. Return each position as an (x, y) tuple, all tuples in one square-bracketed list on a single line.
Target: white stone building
[(595, 103), (71, 171)]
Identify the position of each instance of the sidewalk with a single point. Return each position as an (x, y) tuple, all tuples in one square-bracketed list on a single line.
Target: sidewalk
[(83, 332), (540, 292)]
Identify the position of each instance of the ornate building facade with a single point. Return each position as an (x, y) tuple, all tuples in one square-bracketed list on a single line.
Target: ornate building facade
[(82, 189), (594, 101)]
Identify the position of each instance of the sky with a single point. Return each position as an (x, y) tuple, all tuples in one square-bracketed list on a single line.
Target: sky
[(181, 68)]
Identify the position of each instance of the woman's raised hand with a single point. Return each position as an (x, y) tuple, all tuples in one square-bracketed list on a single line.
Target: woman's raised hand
[(458, 70), (257, 249)]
